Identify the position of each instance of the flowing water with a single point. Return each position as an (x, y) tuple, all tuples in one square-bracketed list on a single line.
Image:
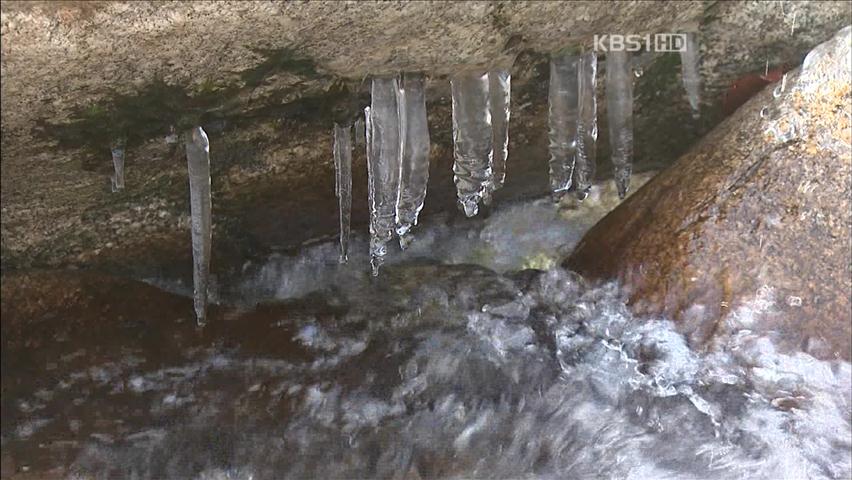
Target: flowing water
[(459, 361)]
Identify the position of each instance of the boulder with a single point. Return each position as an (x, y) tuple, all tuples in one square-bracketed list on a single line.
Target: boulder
[(751, 227)]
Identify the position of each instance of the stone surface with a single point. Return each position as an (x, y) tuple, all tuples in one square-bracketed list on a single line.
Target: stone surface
[(268, 79), (755, 218)]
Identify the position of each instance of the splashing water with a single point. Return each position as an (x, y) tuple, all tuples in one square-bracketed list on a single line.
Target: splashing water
[(343, 184), (472, 140), (459, 372), (619, 101), (198, 165)]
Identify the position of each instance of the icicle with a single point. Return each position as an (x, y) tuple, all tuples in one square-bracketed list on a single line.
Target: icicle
[(472, 137), (562, 120), (198, 164), (619, 104), (117, 149), (587, 124), (343, 184), (383, 165), (500, 82), (414, 173), (689, 59), (360, 134)]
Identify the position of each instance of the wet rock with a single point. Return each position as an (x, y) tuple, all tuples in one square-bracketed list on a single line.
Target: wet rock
[(755, 218), (275, 97)]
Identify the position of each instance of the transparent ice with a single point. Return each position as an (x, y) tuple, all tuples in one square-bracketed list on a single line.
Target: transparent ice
[(472, 140), (118, 150), (587, 124), (500, 86), (562, 102), (414, 167), (619, 102), (383, 165), (198, 164), (689, 63), (360, 133), (343, 184)]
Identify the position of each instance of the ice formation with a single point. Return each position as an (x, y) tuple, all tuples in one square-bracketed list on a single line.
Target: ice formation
[(562, 120), (383, 165), (343, 184), (414, 147), (472, 140), (500, 86), (689, 64), (198, 164), (118, 149), (587, 124), (360, 134), (619, 102)]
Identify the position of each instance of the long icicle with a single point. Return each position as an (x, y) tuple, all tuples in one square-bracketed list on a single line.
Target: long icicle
[(343, 184), (118, 152), (198, 164), (587, 124), (562, 121), (619, 103), (414, 168), (472, 137), (690, 73), (500, 85), (383, 166)]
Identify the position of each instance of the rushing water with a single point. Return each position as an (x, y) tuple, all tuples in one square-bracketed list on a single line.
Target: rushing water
[(436, 370)]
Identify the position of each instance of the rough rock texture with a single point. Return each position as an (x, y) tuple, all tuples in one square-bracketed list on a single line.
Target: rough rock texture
[(268, 79), (757, 215)]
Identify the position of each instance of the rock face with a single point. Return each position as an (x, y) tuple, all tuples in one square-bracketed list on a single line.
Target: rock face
[(751, 228), (268, 80)]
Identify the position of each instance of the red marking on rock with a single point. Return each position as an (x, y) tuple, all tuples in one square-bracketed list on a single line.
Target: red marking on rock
[(748, 86)]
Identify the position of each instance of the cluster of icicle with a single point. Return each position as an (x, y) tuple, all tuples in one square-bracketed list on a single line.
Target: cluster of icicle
[(397, 144), (480, 123)]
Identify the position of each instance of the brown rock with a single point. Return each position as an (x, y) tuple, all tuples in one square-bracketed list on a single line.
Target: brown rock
[(755, 218)]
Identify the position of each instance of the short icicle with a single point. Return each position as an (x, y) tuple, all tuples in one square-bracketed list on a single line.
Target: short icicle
[(587, 124), (689, 64), (360, 133), (198, 164), (619, 102), (472, 140), (414, 168), (383, 166), (562, 121), (500, 85), (118, 149), (343, 184)]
